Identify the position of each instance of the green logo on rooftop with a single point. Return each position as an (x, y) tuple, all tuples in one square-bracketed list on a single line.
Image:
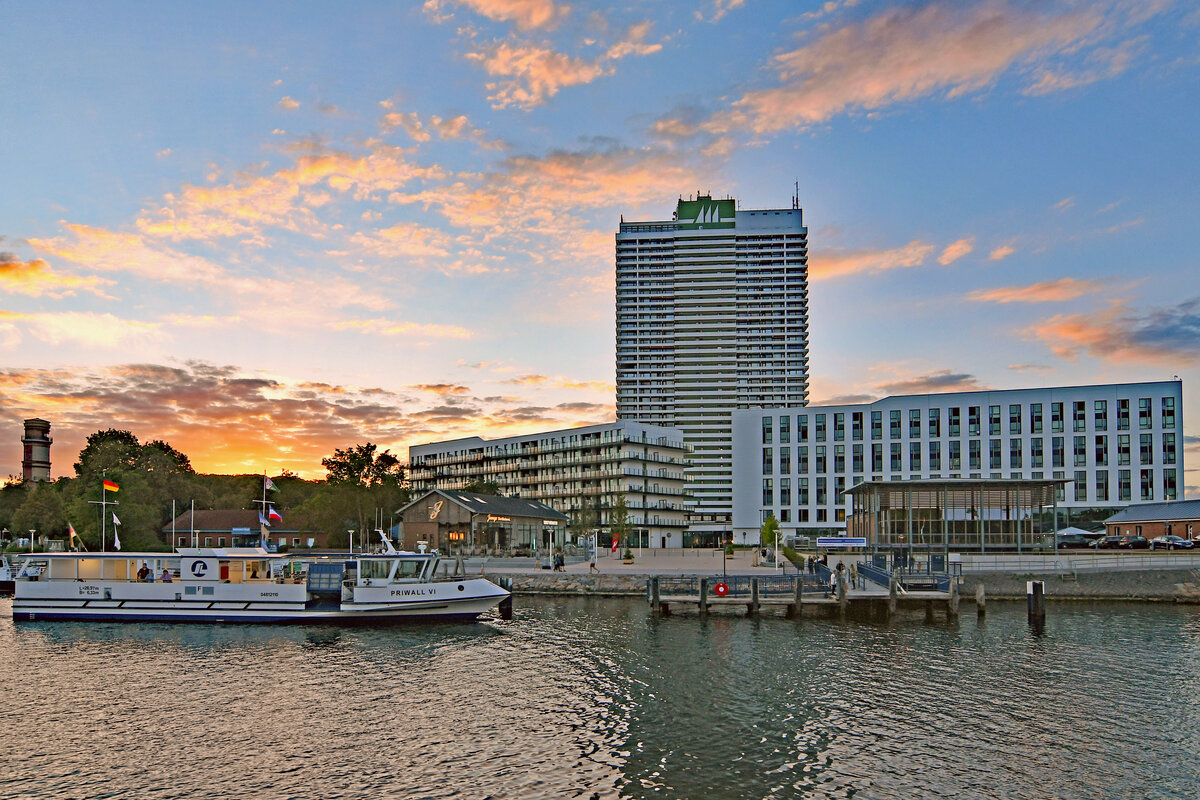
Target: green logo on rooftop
[(704, 212)]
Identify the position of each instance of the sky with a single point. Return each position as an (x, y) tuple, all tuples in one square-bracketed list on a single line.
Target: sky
[(261, 231)]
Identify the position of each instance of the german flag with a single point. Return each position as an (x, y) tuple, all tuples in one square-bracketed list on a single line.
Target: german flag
[(110, 486)]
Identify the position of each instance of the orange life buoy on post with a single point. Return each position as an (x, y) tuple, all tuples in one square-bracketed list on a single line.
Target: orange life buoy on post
[(721, 589)]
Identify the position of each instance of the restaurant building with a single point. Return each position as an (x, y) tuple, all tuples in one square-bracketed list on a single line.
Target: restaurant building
[(481, 524)]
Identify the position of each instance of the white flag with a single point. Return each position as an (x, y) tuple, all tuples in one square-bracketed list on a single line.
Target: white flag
[(115, 520), (116, 541)]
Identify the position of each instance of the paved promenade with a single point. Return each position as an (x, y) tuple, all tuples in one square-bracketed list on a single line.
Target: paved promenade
[(646, 562)]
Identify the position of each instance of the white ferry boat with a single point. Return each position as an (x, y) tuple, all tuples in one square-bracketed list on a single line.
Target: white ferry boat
[(248, 585)]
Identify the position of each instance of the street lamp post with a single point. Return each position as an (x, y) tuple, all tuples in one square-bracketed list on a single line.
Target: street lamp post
[(350, 539), (32, 533)]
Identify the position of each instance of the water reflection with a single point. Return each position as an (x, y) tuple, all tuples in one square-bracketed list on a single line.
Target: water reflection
[(586, 697)]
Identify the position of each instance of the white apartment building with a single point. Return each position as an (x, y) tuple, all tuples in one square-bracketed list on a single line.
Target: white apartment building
[(1118, 444), (579, 471), (711, 316)]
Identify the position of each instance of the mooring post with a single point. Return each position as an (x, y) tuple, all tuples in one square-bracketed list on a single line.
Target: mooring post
[(754, 597), (952, 603), (1035, 595), (980, 600), (893, 593), (655, 597), (793, 611), (929, 611), (506, 605), (841, 593), (704, 597)]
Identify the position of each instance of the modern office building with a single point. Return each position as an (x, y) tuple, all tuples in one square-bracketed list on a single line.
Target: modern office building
[(580, 472), (1116, 444), (711, 316)]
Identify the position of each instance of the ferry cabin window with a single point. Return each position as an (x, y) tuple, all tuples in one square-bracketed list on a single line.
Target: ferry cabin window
[(375, 569), (410, 568)]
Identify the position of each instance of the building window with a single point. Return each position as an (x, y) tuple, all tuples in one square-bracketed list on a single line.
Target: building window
[(975, 455), (822, 465), (768, 455), (1014, 420), (993, 420), (1168, 413), (973, 420), (802, 433), (955, 422), (1123, 449), (839, 427), (785, 515), (768, 493), (802, 490), (295, 541), (802, 459), (1079, 416), (857, 458), (896, 464), (1147, 484), (822, 492), (894, 418), (1101, 451), (1168, 448), (839, 491), (914, 456), (1015, 459), (1101, 409), (1080, 451), (839, 458), (785, 491), (876, 424), (820, 427), (994, 453), (1145, 414), (1060, 492), (1102, 486), (914, 423), (955, 454), (856, 425), (1035, 418), (1036, 457), (766, 430), (208, 541), (220, 541), (1170, 490), (935, 455), (1146, 449), (935, 422), (1124, 486), (1080, 486), (877, 458), (1056, 417), (785, 430), (785, 460), (1058, 456)]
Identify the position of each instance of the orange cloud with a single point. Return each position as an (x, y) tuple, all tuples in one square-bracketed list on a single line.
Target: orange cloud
[(35, 278), (532, 74), (837, 264), (956, 250), (525, 14), (1055, 291), (288, 104), (931, 383), (910, 52), (385, 327), (1169, 335), (1002, 252), (83, 328)]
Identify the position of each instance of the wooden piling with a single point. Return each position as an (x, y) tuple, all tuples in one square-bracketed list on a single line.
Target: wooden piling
[(980, 600), (506, 605), (655, 596), (704, 597), (952, 602), (754, 597), (1036, 598), (893, 593), (841, 593), (929, 611), (794, 608)]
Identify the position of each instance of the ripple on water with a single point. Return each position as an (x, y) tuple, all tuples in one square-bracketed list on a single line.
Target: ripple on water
[(595, 698)]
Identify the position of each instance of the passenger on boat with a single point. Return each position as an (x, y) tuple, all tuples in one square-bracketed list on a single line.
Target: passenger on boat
[(166, 576), (143, 574)]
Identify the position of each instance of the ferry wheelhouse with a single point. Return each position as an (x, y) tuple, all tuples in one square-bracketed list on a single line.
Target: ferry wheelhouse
[(249, 585)]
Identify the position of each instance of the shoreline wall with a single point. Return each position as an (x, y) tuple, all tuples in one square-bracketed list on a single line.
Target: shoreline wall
[(1164, 586)]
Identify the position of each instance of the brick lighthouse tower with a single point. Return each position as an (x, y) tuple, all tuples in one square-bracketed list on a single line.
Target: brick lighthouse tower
[(35, 466)]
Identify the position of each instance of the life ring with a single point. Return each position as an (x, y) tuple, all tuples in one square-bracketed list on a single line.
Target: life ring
[(721, 589)]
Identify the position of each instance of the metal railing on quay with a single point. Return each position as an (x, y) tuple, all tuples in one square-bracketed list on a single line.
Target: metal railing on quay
[(1075, 561)]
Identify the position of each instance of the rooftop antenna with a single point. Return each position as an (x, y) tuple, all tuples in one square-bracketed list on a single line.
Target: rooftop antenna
[(796, 196)]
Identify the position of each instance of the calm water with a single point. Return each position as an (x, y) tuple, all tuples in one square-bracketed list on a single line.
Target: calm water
[(594, 698)]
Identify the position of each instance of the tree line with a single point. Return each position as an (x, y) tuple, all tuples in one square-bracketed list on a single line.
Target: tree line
[(359, 480)]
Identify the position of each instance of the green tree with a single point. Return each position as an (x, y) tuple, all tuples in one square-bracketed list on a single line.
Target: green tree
[(768, 531), (360, 465), (480, 486), (618, 521), (42, 511), (114, 447)]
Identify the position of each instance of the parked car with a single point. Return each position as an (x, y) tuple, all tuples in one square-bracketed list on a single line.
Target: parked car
[(1170, 542), (1134, 543), (1107, 542), (1073, 540)]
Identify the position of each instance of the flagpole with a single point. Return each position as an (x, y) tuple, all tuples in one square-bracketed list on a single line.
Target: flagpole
[(103, 508)]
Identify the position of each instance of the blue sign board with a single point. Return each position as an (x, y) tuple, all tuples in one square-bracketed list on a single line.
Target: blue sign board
[(841, 541)]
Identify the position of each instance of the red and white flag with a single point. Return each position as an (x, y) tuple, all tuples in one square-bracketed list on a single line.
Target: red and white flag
[(614, 544)]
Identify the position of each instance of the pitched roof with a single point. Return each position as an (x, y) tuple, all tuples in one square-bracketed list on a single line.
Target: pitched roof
[(224, 520), (1156, 512), (494, 504)]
